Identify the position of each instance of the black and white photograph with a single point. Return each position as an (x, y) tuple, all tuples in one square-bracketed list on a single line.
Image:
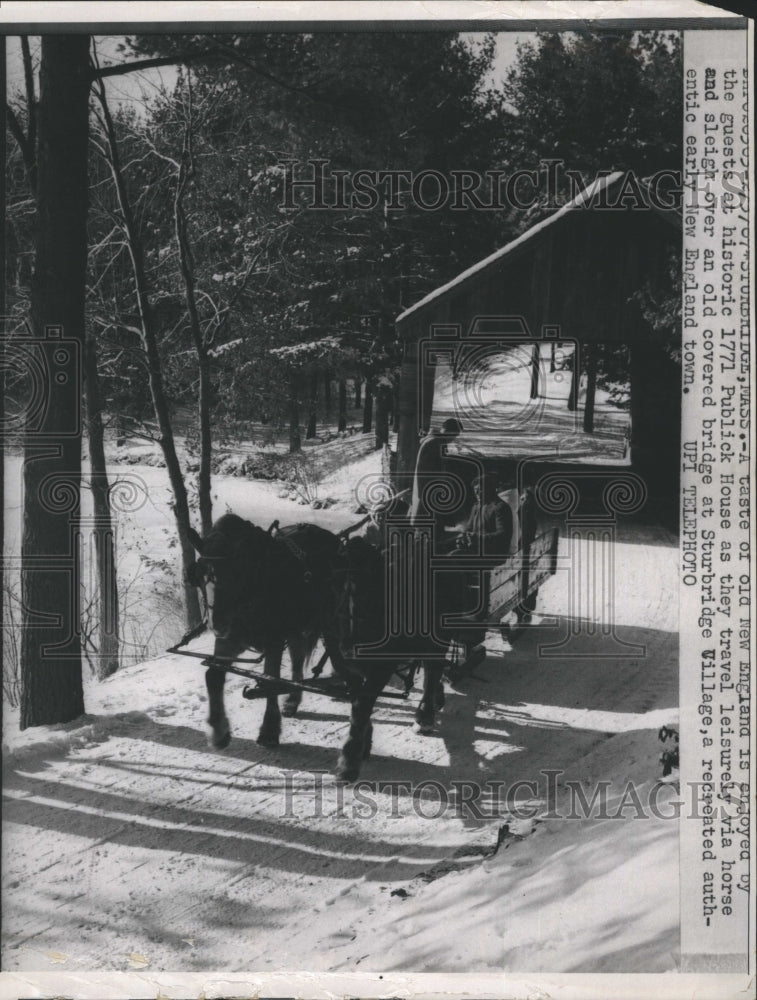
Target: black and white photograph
[(377, 463)]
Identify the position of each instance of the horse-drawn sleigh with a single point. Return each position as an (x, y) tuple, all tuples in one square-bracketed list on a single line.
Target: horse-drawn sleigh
[(295, 586)]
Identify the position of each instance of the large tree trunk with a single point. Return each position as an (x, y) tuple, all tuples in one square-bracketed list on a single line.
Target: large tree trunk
[(367, 407), (51, 667), (327, 391), (591, 387), (358, 397), (155, 373), (105, 550), (311, 428), (342, 424)]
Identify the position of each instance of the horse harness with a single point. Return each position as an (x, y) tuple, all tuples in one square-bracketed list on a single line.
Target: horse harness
[(339, 576), (299, 554), (405, 671)]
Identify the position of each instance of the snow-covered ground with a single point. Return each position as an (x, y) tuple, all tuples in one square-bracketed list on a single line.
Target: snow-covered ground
[(129, 845), (149, 561), (491, 395)]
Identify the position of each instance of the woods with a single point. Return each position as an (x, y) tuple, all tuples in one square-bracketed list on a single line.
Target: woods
[(370, 389), (191, 280)]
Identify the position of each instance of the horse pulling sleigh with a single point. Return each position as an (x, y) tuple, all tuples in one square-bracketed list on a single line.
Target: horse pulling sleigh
[(267, 590)]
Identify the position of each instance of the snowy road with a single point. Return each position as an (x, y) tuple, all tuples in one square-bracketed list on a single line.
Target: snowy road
[(128, 844)]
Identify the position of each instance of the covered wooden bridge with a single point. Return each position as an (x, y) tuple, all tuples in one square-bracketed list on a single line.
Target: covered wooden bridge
[(582, 278)]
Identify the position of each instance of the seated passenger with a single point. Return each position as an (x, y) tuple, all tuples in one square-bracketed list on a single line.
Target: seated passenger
[(489, 528), (487, 532)]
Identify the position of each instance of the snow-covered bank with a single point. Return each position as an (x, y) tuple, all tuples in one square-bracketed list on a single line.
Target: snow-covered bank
[(129, 845), (148, 556)]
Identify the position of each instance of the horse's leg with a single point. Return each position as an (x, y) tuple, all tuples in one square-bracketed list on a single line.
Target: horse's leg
[(297, 656), (350, 675), (437, 672), (432, 697), (215, 679), (270, 730), (358, 745)]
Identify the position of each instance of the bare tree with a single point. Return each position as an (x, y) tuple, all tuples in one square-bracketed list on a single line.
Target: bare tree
[(108, 148), (105, 551), (27, 140), (205, 324), (201, 344)]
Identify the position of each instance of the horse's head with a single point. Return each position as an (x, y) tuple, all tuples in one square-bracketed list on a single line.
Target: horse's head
[(229, 570)]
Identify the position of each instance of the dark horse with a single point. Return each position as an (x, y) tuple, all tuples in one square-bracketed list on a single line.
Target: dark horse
[(365, 625), (267, 590)]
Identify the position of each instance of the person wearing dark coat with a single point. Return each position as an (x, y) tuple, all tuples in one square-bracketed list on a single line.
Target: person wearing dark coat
[(429, 464)]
